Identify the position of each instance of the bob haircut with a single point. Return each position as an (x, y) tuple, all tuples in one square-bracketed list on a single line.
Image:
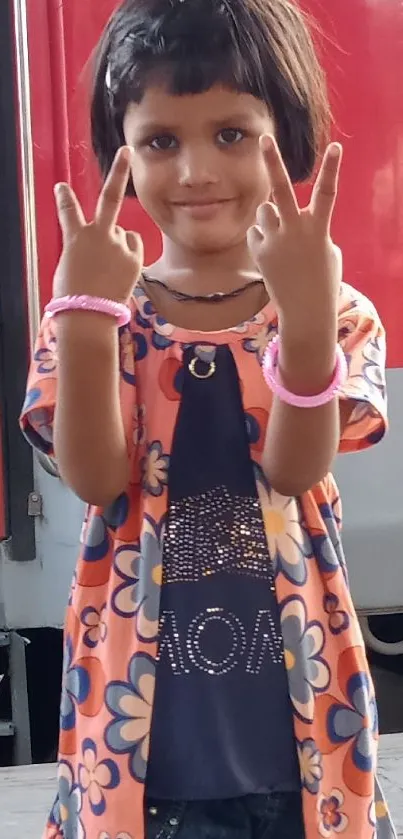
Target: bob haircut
[(260, 47)]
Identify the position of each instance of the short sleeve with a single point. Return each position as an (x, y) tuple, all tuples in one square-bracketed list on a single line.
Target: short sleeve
[(38, 411), (362, 337)]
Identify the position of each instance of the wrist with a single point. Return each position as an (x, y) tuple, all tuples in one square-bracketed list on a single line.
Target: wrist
[(307, 360), (85, 328), (310, 325)]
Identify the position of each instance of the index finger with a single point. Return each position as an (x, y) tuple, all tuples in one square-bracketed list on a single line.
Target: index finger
[(280, 181), (69, 212), (325, 190), (114, 190)]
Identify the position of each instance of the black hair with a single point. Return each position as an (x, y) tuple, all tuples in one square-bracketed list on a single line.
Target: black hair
[(261, 47)]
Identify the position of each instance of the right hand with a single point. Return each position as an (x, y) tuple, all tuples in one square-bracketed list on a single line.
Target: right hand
[(98, 259)]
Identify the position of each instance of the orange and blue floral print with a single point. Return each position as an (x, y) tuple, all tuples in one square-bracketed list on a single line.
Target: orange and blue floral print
[(111, 633)]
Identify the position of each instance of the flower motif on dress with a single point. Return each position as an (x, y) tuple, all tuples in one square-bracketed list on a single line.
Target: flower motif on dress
[(117, 513), (339, 620), (140, 346), (256, 420), (310, 761), (146, 309), (258, 344), (38, 429), (96, 539), (161, 332), (94, 564), (33, 395), (125, 601), (70, 803), (83, 691), (126, 351), (130, 704), (374, 354), (139, 425), (332, 820), (55, 819), (256, 320), (308, 672), (346, 328), (46, 358), (140, 568), (287, 537), (353, 722), (96, 621), (147, 318), (170, 379), (94, 777), (327, 546), (76, 688), (155, 469)]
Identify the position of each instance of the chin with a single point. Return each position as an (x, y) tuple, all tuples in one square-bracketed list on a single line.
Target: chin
[(210, 241)]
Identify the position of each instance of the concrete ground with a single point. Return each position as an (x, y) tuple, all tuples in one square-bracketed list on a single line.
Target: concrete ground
[(26, 792)]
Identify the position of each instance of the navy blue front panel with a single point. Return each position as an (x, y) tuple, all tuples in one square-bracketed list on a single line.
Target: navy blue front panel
[(222, 724)]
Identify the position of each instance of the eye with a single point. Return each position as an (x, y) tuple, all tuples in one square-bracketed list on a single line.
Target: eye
[(230, 136), (164, 142)]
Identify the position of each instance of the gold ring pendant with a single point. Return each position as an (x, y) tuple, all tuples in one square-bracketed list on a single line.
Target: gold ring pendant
[(210, 372)]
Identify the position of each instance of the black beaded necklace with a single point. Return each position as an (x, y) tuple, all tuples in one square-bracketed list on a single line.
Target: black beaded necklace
[(215, 297)]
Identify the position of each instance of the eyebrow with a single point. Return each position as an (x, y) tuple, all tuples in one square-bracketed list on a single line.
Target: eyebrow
[(150, 128)]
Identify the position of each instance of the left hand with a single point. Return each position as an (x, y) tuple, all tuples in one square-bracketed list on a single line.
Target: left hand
[(292, 247)]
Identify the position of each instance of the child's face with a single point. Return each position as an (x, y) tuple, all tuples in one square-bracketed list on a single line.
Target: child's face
[(197, 167)]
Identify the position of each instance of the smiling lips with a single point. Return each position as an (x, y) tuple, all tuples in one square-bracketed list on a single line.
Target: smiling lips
[(202, 209)]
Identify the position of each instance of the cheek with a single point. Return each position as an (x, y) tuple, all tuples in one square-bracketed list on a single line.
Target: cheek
[(261, 181), (255, 179), (146, 183)]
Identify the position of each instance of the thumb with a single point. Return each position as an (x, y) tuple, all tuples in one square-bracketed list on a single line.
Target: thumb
[(69, 212)]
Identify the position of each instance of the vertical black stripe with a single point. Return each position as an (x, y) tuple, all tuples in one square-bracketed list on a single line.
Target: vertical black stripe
[(13, 312)]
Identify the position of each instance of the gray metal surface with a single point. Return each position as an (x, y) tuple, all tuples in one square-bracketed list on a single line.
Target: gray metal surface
[(371, 490), (19, 700)]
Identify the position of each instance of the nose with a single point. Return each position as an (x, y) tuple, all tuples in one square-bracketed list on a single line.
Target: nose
[(198, 167)]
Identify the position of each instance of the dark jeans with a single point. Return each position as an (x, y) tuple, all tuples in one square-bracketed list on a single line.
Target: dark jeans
[(275, 816)]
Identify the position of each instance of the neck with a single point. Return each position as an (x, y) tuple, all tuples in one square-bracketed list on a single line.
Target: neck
[(192, 272)]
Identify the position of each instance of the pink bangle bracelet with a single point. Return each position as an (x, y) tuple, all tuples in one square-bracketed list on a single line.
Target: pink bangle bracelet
[(272, 379), (86, 303)]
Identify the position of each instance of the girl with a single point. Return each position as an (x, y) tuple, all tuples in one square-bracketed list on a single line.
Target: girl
[(215, 679)]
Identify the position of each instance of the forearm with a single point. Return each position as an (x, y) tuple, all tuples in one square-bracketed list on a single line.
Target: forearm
[(89, 438), (301, 443)]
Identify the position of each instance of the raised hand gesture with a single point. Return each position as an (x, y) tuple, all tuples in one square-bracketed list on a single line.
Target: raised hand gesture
[(301, 266), (99, 258)]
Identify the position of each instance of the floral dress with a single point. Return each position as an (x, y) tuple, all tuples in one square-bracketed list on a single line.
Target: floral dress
[(112, 621)]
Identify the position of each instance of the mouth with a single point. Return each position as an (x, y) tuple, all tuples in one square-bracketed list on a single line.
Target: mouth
[(202, 209)]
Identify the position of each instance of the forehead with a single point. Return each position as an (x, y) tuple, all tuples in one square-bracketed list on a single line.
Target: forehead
[(160, 107)]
